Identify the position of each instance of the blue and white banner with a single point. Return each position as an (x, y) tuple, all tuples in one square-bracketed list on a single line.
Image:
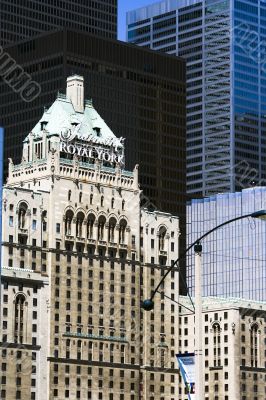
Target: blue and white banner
[(186, 364)]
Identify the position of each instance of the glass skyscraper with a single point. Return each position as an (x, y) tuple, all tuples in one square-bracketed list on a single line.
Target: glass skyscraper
[(224, 44), (234, 256)]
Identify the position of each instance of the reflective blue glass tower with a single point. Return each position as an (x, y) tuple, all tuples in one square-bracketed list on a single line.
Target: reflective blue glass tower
[(234, 256), (224, 44)]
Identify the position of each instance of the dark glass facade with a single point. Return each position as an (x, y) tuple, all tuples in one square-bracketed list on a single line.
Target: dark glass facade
[(24, 19), (141, 95)]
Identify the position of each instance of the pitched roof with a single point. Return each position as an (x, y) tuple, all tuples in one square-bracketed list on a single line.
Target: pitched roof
[(61, 116)]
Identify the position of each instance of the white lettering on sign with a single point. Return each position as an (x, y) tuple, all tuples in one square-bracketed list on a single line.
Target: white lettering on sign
[(92, 152)]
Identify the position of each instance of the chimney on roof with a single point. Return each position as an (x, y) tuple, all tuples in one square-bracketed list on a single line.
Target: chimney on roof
[(75, 92)]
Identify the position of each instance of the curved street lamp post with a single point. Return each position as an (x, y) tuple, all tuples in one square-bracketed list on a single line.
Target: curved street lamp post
[(148, 304)]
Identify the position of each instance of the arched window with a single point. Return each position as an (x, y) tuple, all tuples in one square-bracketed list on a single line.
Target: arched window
[(162, 233), (102, 198), (22, 215), (79, 223), (68, 222), (112, 202), (69, 195), (19, 318), (254, 345), (91, 198), (90, 225), (101, 226), (123, 205), (111, 231), (216, 344), (122, 231)]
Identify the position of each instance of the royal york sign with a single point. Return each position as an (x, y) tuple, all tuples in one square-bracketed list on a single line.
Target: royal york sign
[(84, 147)]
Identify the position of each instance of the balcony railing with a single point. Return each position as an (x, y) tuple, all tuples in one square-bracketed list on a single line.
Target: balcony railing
[(91, 241), (102, 243), (69, 237), (23, 231), (113, 245)]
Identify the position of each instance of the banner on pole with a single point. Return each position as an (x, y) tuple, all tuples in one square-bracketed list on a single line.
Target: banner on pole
[(186, 364)]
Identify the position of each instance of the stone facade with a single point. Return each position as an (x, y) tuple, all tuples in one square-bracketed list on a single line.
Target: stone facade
[(79, 255), (234, 345)]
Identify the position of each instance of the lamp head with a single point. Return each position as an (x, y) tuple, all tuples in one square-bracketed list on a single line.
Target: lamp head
[(147, 305), (261, 214)]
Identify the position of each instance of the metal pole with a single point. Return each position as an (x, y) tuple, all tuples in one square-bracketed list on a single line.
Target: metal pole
[(199, 386)]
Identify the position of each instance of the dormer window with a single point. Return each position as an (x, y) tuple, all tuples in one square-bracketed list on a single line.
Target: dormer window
[(97, 130), (43, 125)]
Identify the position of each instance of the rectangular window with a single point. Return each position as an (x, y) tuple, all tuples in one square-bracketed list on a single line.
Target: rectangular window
[(11, 220), (57, 228), (34, 224)]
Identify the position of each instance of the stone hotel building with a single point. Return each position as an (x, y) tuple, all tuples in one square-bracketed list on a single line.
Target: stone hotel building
[(78, 257), (234, 347)]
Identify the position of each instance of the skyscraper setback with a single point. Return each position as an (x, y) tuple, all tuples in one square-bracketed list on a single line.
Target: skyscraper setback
[(222, 42), (22, 20)]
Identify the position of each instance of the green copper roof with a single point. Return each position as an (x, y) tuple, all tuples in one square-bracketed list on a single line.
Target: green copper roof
[(87, 125)]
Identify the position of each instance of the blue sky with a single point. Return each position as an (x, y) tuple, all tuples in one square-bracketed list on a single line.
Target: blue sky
[(123, 7)]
